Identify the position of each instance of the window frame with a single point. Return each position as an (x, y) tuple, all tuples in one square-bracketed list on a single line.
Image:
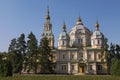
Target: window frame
[(90, 67), (99, 67), (63, 67)]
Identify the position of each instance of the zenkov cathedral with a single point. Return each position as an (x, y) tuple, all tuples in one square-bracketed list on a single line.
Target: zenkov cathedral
[(80, 51)]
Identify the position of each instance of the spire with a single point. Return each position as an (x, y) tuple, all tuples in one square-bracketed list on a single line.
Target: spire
[(97, 25), (79, 21), (64, 27), (48, 16)]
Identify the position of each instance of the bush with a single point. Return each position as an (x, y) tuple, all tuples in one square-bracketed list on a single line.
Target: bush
[(115, 68), (5, 68)]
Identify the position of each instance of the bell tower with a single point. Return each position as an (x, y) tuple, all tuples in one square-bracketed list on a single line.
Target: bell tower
[(48, 30), (97, 37)]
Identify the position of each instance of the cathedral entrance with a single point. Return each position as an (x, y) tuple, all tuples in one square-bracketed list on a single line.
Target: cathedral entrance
[(81, 69)]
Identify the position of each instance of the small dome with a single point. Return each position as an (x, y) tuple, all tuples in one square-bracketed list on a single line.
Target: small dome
[(97, 34), (63, 35)]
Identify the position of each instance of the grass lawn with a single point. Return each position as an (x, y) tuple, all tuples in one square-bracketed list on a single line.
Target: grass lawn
[(61, 77)]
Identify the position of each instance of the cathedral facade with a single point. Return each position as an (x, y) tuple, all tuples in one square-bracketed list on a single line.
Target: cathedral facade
[(80, 51)]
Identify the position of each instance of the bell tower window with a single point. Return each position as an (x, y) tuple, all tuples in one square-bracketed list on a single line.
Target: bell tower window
[(98, 42), (63, 42)]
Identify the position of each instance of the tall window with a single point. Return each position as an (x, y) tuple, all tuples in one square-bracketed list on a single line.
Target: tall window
[(72, 55), (72, 67), (99, 55), (99, 67), (98, 42), (63, 42), (89, 55), (93, 42), (79, 40), (89, 67), (63, 67), (63, 56), (55, 67)]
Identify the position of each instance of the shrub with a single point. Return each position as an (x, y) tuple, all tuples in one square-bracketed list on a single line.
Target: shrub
[(5, 68), (115, 68)]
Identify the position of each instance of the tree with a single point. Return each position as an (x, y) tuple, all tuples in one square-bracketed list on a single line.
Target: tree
[(115, 68), (21, 44), (17, 50), (5, 66), (45, 56), (114, 59), (21, 50), (32, 52), (13, 46), (13, 56)]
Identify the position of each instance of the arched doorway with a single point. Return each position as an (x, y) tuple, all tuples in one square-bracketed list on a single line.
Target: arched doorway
[(81, 69)]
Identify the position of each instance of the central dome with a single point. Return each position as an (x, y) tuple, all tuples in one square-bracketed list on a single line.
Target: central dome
[(78, 34)]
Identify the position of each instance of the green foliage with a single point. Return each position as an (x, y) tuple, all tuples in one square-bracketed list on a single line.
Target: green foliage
[(28, 56), (21, 44), (32, 52), (17, 51), (5, 66), (61, 77), (45, 56), (21, 52), (114, 51), (114, 59), (115, 68)]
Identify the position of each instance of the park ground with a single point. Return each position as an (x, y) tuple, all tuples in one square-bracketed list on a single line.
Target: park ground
[(61, 77)]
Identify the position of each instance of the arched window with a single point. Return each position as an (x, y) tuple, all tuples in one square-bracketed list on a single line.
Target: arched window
[(63, 42), (99, 55), (98, 41)]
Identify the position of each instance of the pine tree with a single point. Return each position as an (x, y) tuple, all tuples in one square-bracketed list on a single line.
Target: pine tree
[(45, 56), (22, 44), (21, 49), (13, 56), (17, 50), (13, 46), (32, 52)]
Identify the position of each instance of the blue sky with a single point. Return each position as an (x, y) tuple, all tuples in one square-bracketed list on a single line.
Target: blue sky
[(24, 16)]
